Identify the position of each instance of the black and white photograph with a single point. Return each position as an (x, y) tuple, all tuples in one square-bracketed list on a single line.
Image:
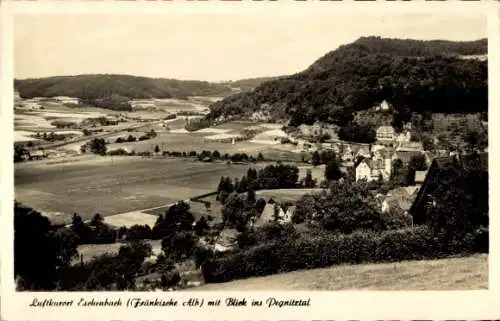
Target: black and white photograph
[(240, 152)]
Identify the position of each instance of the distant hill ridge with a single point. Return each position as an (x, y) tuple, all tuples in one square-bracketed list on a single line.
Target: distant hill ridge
[(415, 74), (104, 85)]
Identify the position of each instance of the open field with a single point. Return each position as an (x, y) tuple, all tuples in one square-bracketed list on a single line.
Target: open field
[(114, 185), (23, 136), (186, 142), (466, 273), (130, 219)]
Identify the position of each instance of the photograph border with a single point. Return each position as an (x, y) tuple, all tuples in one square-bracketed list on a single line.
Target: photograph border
[(353, 305)]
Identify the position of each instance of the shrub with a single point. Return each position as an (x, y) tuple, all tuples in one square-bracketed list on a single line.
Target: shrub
[(324, 250), (118, 152)]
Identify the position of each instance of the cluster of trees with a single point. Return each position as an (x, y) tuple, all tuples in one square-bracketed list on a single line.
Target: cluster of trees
[(332, 168), (344, 208), (54, 249), (238, 209), (20, 153), (93, 232), (40, 250), (206, 155), (129, 139), (115, 91), (95, 146), (405, 176), (52, 137), (359, 133), (269, 177), (116, 272), (359, 75)]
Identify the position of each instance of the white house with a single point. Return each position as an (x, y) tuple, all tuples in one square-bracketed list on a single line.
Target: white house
[(383, 106), (274, 212), (380, 165), (286, 217)]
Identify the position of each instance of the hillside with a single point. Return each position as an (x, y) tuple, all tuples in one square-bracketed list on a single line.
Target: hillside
[(414, 74), (467, 273), (107, 85)]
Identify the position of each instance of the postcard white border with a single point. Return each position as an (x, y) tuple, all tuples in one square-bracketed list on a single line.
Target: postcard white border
[(352, 305)]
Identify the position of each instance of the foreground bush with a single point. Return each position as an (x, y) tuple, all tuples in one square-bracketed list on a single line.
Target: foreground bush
[(359, 247)]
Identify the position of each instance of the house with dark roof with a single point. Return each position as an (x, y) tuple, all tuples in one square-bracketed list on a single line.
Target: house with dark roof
[(439, 167)]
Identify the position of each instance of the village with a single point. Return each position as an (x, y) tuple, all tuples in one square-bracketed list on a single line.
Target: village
[(366, 169)]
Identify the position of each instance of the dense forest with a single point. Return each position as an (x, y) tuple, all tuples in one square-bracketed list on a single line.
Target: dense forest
[(103, 86), (413, 75)]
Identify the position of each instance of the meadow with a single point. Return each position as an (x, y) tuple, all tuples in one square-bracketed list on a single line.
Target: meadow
[(463, 273), (186, 142), (113, 185)]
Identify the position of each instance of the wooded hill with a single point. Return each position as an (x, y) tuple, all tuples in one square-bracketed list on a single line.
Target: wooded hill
[(105, 85), (411, 74)]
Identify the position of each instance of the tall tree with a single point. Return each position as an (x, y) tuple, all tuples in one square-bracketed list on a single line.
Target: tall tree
[(332, 170)]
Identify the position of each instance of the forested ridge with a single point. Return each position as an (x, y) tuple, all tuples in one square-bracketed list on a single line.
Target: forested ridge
[(100, 86), (412, 74)]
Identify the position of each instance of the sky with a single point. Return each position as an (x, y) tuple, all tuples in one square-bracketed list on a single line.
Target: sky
[(204, 46)]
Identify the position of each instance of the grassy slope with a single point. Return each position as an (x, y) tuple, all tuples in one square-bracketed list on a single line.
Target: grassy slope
[(466, 273)]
